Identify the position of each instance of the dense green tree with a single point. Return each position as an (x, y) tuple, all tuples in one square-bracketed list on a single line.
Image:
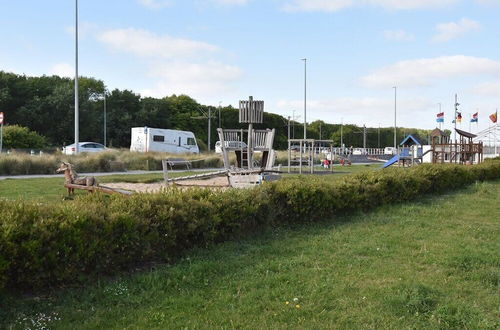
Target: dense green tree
[(46, 105)]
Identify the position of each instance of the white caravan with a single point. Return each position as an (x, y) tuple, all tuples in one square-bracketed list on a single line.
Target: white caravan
[(146, 139)]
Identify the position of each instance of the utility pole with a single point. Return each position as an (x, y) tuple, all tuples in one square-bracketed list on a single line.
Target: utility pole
[(379, 135), (209, 117), (364, 137), (341, 133), (209, 125), (289, 128), (320, 130), (305, 97), (395, 108), (77, 115)]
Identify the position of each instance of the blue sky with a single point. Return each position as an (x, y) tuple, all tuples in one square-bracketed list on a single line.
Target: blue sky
[(225, 50)]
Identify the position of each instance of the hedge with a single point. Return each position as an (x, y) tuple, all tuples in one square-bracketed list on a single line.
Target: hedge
[(50, 244)]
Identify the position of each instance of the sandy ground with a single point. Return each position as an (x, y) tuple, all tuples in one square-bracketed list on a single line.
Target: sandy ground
[(218, 182)]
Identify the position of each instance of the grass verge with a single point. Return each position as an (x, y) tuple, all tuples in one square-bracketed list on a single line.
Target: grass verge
[(428, 264)]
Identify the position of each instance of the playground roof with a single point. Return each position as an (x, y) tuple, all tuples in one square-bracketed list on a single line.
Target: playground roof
[(410, 140), (464, 133), (438, 132)]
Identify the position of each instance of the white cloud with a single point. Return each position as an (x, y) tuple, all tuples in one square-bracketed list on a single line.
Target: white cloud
[(174, 65), (155, 4), (489, 2), (231, 2), (491, 89), (398, 35), (196, 79), (146, 44), (63, 70), (453, 30), (336, 5), (421, 72), (366, 110)]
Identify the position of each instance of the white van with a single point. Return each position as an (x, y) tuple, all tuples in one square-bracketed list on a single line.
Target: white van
[(390, 151), (146, 139)]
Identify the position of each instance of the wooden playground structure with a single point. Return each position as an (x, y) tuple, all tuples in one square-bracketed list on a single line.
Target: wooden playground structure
[(464, 152), (244, 143)]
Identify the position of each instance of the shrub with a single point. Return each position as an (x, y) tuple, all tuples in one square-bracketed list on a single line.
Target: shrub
[(19, 137), (47, 244)]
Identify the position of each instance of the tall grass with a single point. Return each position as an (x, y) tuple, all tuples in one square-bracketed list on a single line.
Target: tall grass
[(110, 161)]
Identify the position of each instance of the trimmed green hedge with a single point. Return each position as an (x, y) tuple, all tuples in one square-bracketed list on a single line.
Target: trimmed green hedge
[(49, 244)]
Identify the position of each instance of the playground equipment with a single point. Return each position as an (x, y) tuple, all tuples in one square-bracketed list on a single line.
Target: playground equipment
[(303, 152), (463, 152), (441, 150), (244, 143), (73, 181)]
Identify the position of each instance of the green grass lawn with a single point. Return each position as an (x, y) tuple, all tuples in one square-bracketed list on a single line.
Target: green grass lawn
[(52, 189), (430, 264)]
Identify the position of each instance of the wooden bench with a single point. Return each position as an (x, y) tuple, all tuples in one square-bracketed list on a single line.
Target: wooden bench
[(171, 162)]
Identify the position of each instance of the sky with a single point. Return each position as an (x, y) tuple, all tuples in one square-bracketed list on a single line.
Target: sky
[(221, 51)]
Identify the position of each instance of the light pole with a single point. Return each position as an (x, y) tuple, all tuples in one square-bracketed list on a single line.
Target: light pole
[(220, 126), (342, 134), (105, 135), (77, 116), (379, 135), (395, 107), (305, 97), (440, 114)]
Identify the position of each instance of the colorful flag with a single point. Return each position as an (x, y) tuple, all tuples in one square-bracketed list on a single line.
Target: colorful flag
[(459, 117), (494, 117), (440, 117), (474, 118)]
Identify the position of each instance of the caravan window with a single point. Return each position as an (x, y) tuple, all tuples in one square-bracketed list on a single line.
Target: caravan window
[(158, 138), (191, 142), (179, 141)]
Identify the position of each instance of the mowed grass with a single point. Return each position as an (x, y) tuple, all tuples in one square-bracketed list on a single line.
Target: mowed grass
[(52, 189), (430, 264)]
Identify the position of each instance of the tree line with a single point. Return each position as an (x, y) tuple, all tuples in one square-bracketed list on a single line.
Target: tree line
[(46, 105)]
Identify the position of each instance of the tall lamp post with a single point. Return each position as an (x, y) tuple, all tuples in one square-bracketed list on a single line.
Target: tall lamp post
[(305, 97), (105, 119), (395, 107), (77, 117)]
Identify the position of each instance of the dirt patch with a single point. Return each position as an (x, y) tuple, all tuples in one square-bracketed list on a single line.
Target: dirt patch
[(218, 182)]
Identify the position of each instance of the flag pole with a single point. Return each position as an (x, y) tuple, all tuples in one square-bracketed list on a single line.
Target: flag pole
[(456, 108)]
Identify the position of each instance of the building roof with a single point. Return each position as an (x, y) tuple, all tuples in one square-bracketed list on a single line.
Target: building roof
[(410, 140), (464, 133), (438, 132)]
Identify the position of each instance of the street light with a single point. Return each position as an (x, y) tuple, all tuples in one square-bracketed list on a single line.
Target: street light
[(77, 117), (395, 128), (305, 97)]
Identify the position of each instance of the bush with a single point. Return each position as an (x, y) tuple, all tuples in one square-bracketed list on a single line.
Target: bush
[(47, 244), (19, 137)]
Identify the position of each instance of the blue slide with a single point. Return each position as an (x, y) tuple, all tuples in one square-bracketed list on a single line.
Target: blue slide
[(391, 161)]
